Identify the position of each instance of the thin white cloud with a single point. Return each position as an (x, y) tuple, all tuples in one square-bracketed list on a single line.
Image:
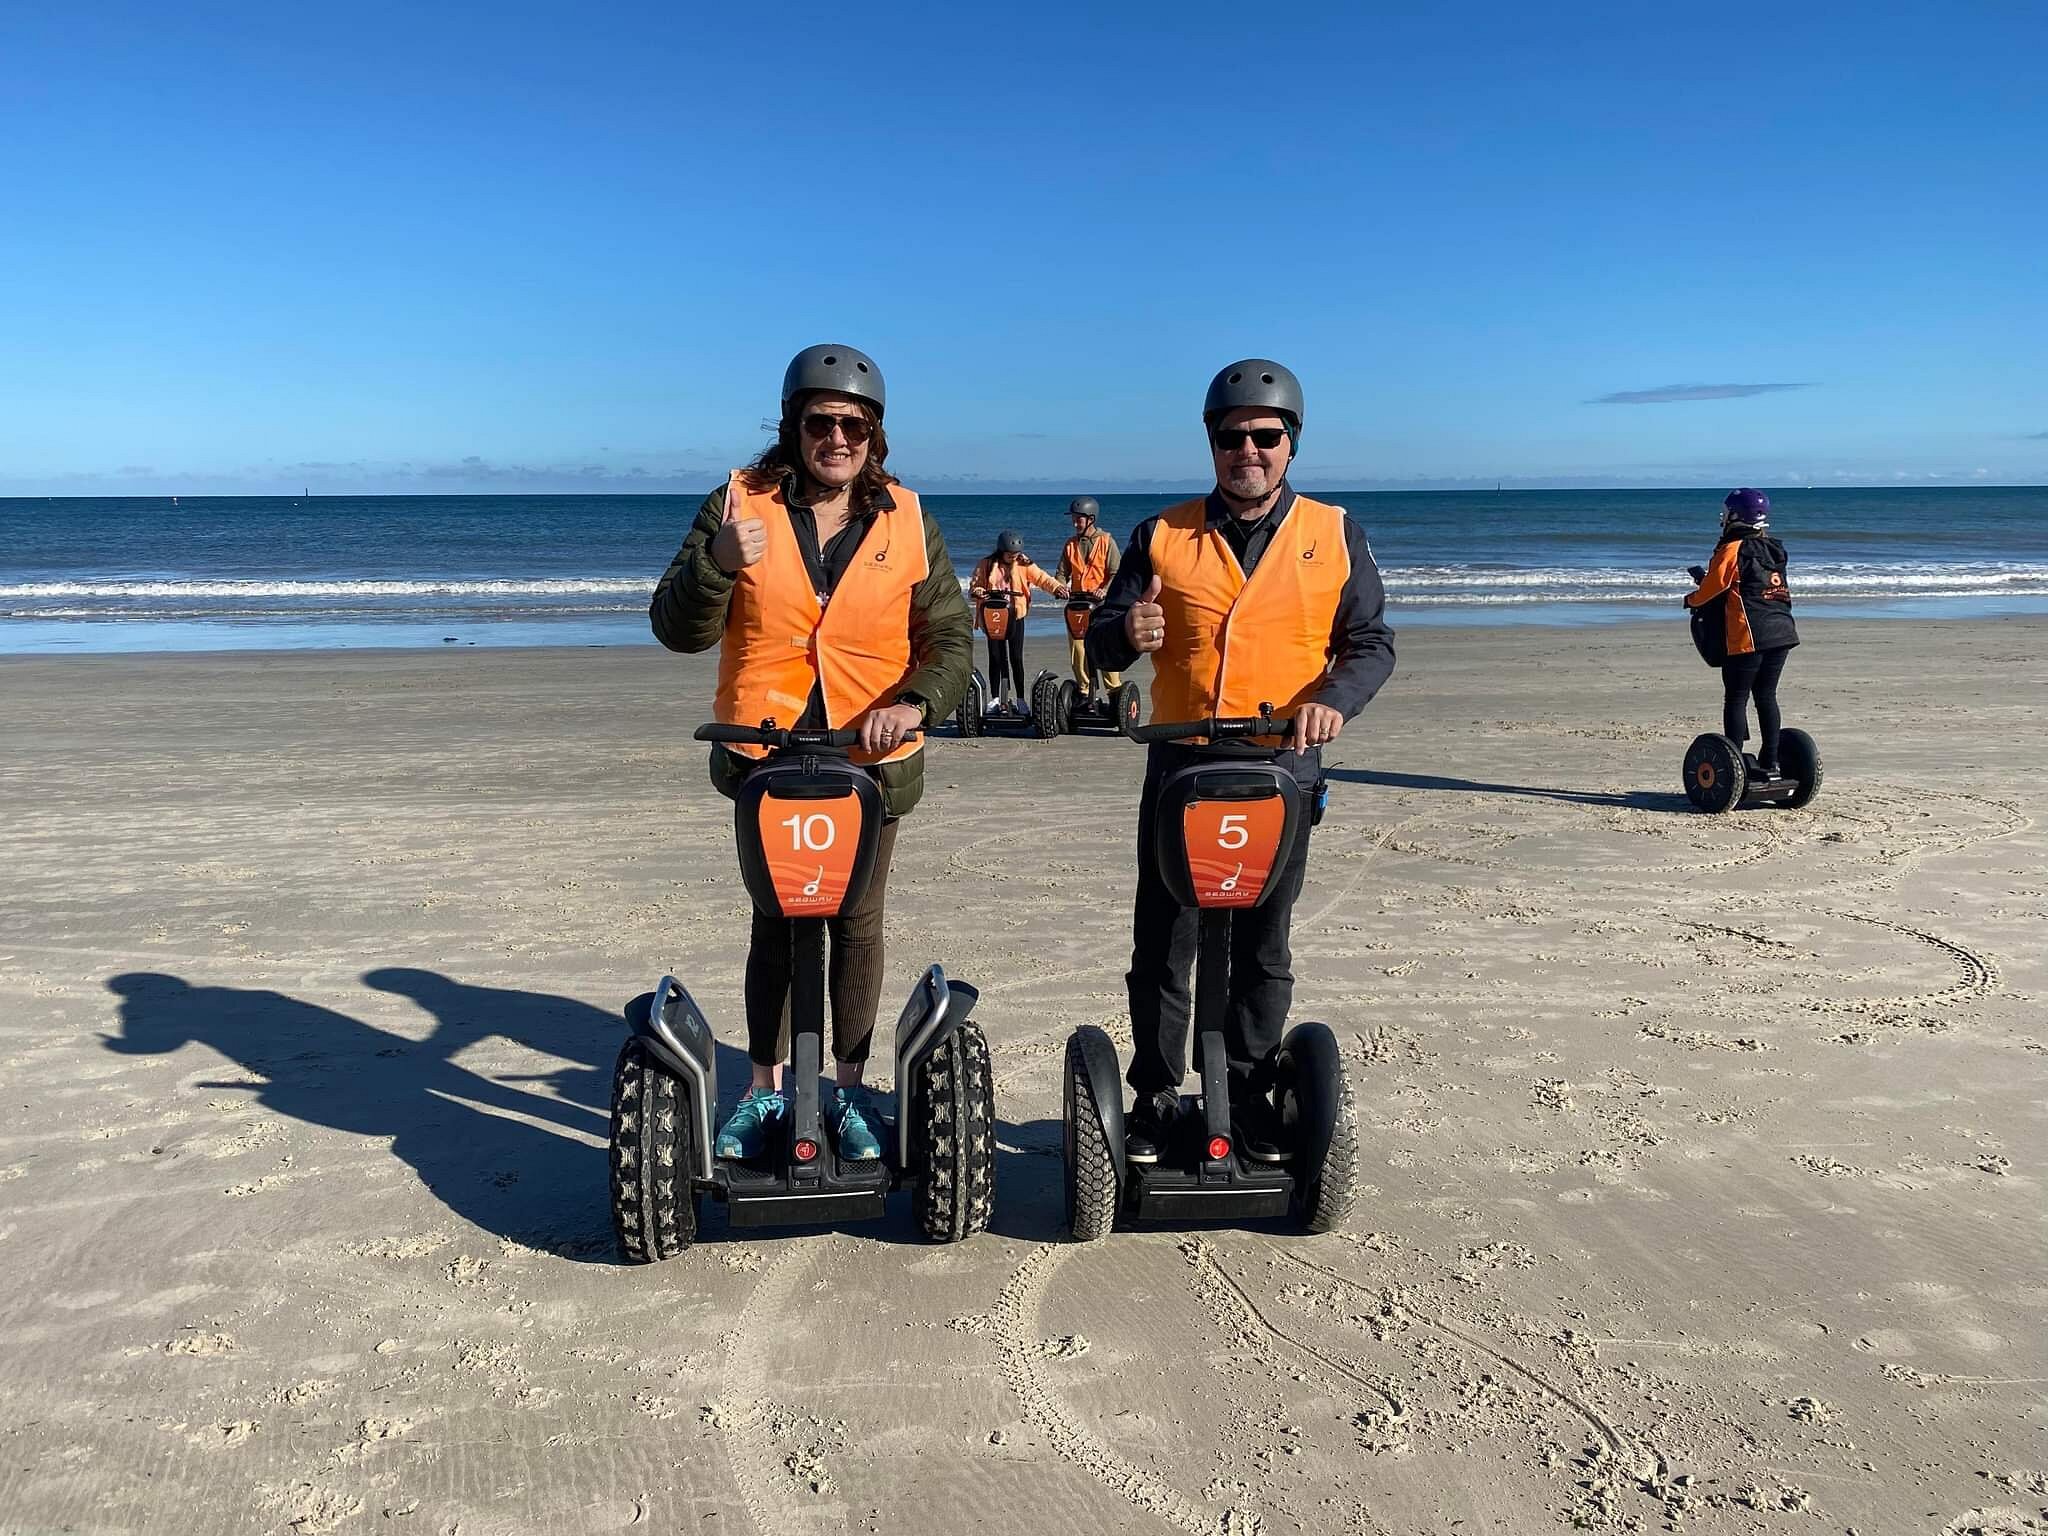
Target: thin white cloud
[(1671, 394)]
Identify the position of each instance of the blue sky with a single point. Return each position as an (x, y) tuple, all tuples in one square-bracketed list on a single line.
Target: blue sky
[(521, 247)]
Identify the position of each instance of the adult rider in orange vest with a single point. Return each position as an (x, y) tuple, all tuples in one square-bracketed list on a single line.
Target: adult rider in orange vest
[(1008, 569), (1087, 565), (1250, 595), (827, 589)]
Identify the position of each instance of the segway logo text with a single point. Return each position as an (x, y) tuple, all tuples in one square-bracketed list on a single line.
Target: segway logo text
[(810, 847)]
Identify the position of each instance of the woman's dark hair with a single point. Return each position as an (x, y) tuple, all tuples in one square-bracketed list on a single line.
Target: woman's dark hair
[(785, 456)]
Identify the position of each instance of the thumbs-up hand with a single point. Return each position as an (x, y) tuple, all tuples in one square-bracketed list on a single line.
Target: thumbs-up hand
[(741, 542), (1145, 623)]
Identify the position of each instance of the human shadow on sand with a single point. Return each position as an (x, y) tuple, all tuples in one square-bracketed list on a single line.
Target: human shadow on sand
[(1634, 800), (520, 1163)]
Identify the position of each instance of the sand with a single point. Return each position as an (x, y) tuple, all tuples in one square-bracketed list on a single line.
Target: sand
[(1705, 1154)]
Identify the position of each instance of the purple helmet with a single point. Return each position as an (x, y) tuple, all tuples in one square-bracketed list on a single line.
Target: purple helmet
[(1747, 506)]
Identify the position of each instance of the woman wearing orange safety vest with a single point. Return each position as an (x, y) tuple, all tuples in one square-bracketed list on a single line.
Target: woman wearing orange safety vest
[(1251, 595), (827, 589), (1009, 570), (1087, 564)]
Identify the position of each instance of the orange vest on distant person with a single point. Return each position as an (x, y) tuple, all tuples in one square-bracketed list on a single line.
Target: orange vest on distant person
[(1234, 643), (1087, 573), (1017, 580), (781, 640)]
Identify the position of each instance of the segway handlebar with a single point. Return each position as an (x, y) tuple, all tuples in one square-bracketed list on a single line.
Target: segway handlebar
[(1216, 728), (770, 735)]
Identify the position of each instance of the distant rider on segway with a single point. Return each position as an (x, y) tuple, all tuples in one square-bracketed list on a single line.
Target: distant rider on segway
[(1087, 565), (1747, 575), (829, 592), (1295, 584), (1008, 569)]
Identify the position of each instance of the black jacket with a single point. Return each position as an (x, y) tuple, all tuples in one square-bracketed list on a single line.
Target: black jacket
[(1747, 574)]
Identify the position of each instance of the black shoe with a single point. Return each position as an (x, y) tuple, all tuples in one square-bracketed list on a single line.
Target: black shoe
[(1149, 1125), (1768, 771), (1255, 1128)]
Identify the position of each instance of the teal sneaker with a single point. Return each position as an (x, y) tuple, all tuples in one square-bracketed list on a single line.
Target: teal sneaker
[(856, 1124), (746, 1130)]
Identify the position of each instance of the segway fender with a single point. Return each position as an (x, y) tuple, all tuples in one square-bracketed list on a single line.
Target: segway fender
[(675, 1032), (937, 1007), (1105, 1082)]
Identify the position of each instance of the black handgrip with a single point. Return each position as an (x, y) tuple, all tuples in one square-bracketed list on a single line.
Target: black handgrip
[(1696, 572), (1217, 729)]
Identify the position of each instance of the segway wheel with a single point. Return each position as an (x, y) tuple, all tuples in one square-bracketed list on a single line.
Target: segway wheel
[(1129, 708), (1068, 695), (973, 703), (1045, 706), (654, 1201), (1091, 1168), (1799, 759), (1321, 1122), (953, 1100), (1715, 776)]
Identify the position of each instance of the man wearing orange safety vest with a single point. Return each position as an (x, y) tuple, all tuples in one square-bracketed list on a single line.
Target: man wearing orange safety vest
[(1087, 565), (1249, 595), (828, 591)]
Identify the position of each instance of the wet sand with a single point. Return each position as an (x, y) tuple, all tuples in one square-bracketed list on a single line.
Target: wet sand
[(1704, 1153)]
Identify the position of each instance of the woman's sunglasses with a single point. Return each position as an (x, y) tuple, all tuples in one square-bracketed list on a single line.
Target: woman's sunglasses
[(1230, 439), (820, 424)]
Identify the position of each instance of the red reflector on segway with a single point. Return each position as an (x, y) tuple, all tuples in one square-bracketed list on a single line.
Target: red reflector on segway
[(807, 1151), (1219, 1148)]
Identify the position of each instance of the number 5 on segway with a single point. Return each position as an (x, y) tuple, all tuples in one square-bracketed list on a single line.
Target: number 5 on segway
[(1223, 829)]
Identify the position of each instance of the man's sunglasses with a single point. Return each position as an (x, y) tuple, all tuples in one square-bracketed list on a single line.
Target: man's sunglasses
[(1230, 439), (820, 424)]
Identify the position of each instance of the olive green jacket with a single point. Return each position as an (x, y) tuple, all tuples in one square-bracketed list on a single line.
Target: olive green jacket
[(688, 614)]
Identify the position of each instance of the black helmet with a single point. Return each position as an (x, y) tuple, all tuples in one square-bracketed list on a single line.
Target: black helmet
[(848, 370), (1084, 506), (1010, 543), (1255, 381)]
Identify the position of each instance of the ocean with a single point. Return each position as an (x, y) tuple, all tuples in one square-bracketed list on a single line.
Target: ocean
[(248, 573)]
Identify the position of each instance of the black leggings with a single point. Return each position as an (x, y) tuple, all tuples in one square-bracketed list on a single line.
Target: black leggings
[(1010, 650), (1741, 677)]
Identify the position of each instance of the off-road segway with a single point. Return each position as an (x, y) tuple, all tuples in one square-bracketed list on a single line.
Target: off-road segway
[(1100, 708), (807, 822), (982, 710), (1718, 776), (1223, 828)]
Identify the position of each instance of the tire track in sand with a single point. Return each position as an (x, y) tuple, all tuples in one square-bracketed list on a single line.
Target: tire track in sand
[(741, 1418), (1017, 1341), (1639, 1464), (1979, 971)]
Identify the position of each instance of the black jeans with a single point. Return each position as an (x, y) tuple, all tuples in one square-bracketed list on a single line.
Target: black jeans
[(1164, 936), (1007, 651), (854, 972), (1753, 675)]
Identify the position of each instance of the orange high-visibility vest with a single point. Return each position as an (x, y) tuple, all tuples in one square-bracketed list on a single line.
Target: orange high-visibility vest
[(1234, 643), (781, 640), (1017, 580), (1090, 571)]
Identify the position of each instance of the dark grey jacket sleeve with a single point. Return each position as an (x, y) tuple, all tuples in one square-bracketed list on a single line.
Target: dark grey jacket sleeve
[(688, 610), (1109, 648), (1361, 644)]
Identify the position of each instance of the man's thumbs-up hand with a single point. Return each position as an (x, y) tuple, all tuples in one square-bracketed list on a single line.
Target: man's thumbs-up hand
[(1145, 623)]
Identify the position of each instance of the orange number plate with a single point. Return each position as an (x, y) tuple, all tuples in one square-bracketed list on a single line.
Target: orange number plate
[(810, 846), (1231, 844)]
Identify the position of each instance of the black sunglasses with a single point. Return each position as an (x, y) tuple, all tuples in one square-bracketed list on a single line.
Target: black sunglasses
[(1230, 439), (819, 424)]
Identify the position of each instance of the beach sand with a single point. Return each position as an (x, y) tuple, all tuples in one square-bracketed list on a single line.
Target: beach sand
[(1704, 1154)]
